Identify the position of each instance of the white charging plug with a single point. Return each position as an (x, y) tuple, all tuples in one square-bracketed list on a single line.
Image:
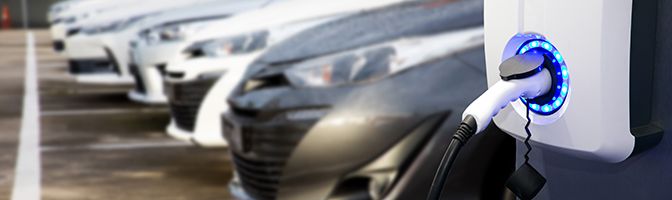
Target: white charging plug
[(485, 107)]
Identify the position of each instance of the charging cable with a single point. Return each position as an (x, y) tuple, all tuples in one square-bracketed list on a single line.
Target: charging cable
[(524, 76)]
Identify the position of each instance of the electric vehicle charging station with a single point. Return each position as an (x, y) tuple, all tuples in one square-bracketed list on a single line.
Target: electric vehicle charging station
[(598, 110), (573, 77)]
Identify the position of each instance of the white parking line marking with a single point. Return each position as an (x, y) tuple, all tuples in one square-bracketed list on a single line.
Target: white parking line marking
[(27, 171), (120, 146), (53, 113)]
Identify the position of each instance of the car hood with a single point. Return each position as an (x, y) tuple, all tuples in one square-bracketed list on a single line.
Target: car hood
[(286, 12), (145, 7), (405, 20), (208, 10)]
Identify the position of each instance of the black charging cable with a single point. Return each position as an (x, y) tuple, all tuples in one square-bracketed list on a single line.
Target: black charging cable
[(464, 132), (526, 182), (529, 135)]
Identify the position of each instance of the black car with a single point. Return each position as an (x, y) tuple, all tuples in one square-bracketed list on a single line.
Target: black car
[(370, 139)]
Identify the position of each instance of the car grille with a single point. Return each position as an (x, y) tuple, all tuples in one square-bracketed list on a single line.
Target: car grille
[(89, 66), (263, 153), (139, 83), (185, 100)]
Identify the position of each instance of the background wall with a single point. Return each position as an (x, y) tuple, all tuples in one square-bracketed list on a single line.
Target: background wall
[(37, 12), (644, 176)]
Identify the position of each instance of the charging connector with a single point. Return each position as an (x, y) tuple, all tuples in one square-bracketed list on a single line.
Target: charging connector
[(488, 105), (523, 76)]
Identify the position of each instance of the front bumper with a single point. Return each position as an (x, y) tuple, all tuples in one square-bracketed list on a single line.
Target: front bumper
[(178, 133), (85, 47), (103, 79), (207, 141), (148, 67), (140, 97), (256, 143), (97, 71), (264, 128), (280, 157), (200, 114), (107, 67), (140, 92)]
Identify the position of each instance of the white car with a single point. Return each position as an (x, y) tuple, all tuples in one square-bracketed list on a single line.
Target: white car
[(187, 89), (233, 42), (69, 14), (59, 11), (161, 43), (91, 61), (117, 44), (57, 8)]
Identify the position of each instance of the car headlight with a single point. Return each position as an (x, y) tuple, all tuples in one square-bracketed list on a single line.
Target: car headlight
[(241, 44), (112, 26), (166, 34), (343, 69)]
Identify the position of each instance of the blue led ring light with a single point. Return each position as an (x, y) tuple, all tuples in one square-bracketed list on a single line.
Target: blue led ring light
[(551, 103)]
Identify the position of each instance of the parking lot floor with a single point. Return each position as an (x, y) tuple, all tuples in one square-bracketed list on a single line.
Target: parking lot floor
[(94, 142)]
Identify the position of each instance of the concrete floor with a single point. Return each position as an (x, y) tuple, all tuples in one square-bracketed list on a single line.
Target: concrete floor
[(95, 143)]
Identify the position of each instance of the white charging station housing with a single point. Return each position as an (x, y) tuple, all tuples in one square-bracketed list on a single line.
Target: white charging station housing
[(606, 116)]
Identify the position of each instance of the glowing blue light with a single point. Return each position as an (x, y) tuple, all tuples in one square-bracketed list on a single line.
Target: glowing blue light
[(564, 89), (537, 43), (546, 46), (557, 56), (546, 108), (565, 74), (557, 103), (523, 50)]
